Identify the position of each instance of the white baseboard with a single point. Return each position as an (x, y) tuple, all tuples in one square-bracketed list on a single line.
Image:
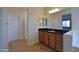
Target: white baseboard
[(3, 50)]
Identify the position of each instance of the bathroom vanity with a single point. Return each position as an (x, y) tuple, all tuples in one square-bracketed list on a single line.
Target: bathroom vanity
[(53, 38)]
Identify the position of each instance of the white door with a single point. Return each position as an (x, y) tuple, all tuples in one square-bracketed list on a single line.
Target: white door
[(12, 27)]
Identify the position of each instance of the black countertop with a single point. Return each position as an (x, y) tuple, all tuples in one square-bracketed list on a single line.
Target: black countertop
[(58, 31)]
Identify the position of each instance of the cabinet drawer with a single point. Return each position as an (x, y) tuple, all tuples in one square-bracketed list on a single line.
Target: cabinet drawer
[(59, 48)]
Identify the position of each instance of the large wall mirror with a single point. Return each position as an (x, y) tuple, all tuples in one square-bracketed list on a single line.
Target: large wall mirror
[(43, 22)]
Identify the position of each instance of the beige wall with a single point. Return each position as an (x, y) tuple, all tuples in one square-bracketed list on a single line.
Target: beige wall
[(33, 24), (22, 27)]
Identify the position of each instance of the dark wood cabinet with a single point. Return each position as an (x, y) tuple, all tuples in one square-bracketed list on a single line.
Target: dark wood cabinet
[(59, 48), (46, 38), (59, 42), (52, 40), (41, 37)]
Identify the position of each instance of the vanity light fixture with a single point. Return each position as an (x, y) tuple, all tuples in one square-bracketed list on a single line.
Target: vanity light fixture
[(53, 10)]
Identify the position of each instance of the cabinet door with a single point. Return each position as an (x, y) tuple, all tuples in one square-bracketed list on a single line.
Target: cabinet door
[(52, 41), (46, 38), (41, 36), (59, 42), (59, 48)]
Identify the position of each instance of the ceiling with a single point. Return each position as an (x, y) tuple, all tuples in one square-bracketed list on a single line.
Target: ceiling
[(17, 10)]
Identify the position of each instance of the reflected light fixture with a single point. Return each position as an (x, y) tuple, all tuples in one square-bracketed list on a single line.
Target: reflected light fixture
[(53, 10)]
